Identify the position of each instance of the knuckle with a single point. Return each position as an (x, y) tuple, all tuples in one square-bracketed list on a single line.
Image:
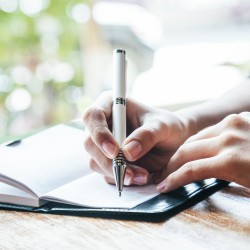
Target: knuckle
[(181, 152), (230, 119), (87, 114), (88, 143), (189, 172), (246, 117), (231, 159), (171, 179), (150, 131), (161, 125), (93, 114), (95, 117), (153, 130), (230, 163), (229, 138), (99, 134), (235, 121)]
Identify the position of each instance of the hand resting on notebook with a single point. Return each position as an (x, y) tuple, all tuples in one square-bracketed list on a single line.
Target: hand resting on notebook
[(164, 147)]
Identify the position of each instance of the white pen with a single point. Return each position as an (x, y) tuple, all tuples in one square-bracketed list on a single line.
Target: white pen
[(119, 114)]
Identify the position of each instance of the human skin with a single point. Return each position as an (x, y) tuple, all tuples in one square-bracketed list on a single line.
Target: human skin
[(174, 149), (154, 135), (220, 151)]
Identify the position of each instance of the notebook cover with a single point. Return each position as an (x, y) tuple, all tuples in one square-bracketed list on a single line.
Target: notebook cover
[(156, 209)]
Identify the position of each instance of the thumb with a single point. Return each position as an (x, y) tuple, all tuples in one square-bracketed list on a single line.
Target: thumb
[(140, 141)]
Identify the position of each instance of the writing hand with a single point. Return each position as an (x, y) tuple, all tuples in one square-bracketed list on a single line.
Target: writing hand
[(153, 137)]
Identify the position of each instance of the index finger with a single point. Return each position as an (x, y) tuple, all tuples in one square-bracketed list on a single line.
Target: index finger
[(96, 120)]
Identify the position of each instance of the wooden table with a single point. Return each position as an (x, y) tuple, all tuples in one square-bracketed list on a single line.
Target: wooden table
[(222, 221)]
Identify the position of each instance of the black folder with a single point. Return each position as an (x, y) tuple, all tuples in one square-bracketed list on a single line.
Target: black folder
[(156, 209)]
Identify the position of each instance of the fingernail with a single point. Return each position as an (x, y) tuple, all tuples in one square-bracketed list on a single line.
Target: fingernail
[(109, 148), (161, 187), (133, 148), (140, 178)]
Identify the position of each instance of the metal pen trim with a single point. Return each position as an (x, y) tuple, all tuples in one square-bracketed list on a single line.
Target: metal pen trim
[(119, 169)]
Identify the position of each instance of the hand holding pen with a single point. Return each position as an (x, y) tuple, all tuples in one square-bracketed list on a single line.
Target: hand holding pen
[(154, 148), (153, 135)]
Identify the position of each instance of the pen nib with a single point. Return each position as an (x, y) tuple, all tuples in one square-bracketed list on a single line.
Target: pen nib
[(119, 168), (120, 193)]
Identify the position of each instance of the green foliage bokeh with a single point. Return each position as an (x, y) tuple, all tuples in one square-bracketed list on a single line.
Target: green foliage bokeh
[(20, 44)]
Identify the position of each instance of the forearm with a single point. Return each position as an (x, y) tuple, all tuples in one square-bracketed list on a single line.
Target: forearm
[(211, 112)]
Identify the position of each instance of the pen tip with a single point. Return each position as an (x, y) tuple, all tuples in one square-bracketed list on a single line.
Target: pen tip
[(120, 193)]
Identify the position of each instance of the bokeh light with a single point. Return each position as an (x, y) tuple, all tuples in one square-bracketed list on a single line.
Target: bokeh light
[(63, 72), (32, 7), (21, 75), (9, 5), (80, 13), (5, 83), (18, 100)]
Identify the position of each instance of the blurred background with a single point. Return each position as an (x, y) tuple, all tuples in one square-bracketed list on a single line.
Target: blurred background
[(56, 56)]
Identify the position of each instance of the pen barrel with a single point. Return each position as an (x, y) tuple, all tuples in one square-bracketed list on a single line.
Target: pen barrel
[(119, 123), (119, 95), (119, 73)]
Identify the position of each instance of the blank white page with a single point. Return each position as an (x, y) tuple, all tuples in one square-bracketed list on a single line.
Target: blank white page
[(46, 160), (9, 194), (93, 191)]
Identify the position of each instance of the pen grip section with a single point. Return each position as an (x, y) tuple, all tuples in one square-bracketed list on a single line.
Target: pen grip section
[(119, 168)]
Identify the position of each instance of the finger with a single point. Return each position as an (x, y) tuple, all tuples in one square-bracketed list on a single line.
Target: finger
[(127, 179), (93, 165), (140, 175), (96, 121), (109, 180), (190, 152), (103, 165), (233, 121), (142, 140), (191, 172), (208, 132), (138, 178)]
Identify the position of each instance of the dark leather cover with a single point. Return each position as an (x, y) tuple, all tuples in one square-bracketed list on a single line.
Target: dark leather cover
[(158, 208)]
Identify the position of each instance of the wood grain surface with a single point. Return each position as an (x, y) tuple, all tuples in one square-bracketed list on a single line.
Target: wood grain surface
[(222, 221)]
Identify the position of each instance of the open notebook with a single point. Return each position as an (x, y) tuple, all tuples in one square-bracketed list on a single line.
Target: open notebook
[(53, 166), (48, 173)]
